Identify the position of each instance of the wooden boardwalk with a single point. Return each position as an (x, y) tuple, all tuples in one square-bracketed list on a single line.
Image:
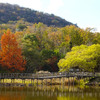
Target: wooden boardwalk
[(35, 78), (47, 75)]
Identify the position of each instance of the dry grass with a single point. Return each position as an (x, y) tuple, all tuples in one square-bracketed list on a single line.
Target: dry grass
[(54, 81)]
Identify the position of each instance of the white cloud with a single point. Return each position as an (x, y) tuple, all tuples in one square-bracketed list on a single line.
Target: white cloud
[(97, 29), (34, 4), (54, 6)]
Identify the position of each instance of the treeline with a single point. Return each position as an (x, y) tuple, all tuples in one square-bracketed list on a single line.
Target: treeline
[(42, 46), (10, 12)]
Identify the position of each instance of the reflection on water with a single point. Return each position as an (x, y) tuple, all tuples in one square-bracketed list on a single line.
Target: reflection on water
[(49, 93)]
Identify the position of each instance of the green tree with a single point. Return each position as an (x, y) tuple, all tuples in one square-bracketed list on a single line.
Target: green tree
[(50, 59), (21, 27), (32, 52), (96, 39), (88, 36), (75, 35)]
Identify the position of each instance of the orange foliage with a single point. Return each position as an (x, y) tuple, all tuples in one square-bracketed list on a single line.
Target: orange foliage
[(52, 62), (11, 56), (55, 37), (67, 37)]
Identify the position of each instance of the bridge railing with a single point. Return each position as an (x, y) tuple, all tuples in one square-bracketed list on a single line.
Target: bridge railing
[(46, 75)]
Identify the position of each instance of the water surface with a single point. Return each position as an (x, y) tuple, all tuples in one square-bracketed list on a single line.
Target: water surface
[(49, 93)]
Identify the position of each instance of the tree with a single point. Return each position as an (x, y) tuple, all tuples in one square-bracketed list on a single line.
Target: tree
[(21, 27), (84, 57), (75, 35), (11, 56), (32, 53), (50, 60), (96, 39)]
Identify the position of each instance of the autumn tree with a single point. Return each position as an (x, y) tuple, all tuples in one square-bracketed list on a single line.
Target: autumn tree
[(50, 60), (85, 57), (11, 56)]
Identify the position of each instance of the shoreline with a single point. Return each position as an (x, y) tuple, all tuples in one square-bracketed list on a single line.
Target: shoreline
[(48, 82)]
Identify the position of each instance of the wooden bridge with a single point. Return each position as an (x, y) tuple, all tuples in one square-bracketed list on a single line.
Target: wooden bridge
[(47, 75), (35, 78)]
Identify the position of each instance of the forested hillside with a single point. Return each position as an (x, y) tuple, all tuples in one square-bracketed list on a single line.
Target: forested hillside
[(39, 47), (10, 12)]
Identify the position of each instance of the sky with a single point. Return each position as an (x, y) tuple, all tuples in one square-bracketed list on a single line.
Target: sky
[(84, 13)]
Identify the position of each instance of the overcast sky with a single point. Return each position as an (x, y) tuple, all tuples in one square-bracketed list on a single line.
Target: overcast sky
[(86, 13)]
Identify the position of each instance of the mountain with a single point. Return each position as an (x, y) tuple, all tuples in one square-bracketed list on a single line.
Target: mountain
[(10, 12)]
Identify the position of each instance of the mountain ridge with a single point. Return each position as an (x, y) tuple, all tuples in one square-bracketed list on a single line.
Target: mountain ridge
[(9, 12)]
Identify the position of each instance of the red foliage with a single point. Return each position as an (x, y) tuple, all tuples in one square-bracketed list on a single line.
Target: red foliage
[(11, 56), (53, 63)]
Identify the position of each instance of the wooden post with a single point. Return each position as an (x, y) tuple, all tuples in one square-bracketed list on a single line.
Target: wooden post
[(37, 81), (63, 81), (79, 81), (73, 80), (2, 78), (33, 81), (69, 79), (51, 81), (68, 82), (24, 81), (11, 82), (84, 79), (42, 82), (59, 81), (63, 84), (46, 82)]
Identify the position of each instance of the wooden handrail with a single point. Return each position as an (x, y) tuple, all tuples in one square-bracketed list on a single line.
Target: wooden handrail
[(46, 75)]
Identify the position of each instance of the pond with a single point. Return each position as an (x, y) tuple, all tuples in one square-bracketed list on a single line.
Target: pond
[(49, 93)]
